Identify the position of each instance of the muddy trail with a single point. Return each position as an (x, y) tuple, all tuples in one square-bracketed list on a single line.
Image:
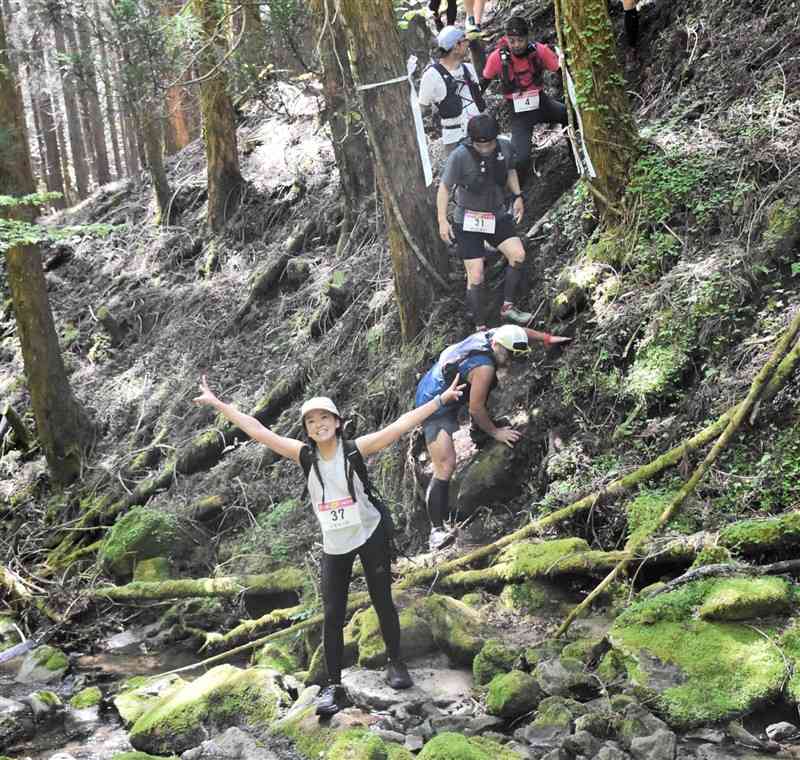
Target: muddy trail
[(672, 315)]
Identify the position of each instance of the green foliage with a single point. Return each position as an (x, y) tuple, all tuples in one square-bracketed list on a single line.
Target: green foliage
[(645, 510), (667, 183), (269, 535), (18, 233)]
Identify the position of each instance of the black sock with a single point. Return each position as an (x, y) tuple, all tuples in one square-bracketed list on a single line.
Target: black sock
[(511, 284), (476, 304), (632, 27), (438, 496)]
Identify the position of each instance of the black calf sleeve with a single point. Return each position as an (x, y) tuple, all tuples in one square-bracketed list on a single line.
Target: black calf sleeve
[(438, 497), (512, 281), (476, 304), (452, 12), (632, 27)]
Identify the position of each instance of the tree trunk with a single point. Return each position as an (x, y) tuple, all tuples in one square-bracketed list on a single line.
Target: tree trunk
[(387, 114), (219, 122), (77, 148), (608, 127), (247, 32), (43, 104), (152, 131), (95, 113), (106, 73), (178, 132), (60, 423), (348, 136)]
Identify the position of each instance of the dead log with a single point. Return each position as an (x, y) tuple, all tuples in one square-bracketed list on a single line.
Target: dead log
[(14, 421), (279, 582)]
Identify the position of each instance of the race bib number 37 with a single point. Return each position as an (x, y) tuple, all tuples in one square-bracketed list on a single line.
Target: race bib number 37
[(335, 515), (526, 101), (479, 221)]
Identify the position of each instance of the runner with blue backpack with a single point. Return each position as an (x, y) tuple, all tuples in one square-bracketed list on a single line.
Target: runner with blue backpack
[(475, 361), (353, 518)]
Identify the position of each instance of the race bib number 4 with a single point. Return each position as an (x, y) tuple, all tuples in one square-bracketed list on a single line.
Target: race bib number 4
[(526, 101), (479, 221), (335, 515)]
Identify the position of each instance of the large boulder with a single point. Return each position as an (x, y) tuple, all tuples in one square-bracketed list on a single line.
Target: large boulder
[(695, 670), (449, 746), (225, 696), (457, 629), (495, 658), (513, 694), (139, 694), (234, 744), (140, 534)]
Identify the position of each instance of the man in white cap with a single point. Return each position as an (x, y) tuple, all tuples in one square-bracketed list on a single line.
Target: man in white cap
[(473, 361), (452, 86), (353, 521)]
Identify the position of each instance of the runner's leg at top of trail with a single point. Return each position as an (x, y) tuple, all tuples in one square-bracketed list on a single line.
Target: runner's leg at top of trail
[(631, 17), (474, 9), (514, 251)]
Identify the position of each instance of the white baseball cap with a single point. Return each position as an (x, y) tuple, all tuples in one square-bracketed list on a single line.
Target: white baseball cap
[(318, 403), (449, 37), (512, 337)]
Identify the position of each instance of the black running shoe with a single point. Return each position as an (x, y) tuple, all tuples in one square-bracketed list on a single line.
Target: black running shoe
[(397, 675), (330, 700)]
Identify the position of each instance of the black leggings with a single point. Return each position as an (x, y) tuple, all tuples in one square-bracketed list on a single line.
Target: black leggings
[(337, 570), (452, 9), (549, 112)]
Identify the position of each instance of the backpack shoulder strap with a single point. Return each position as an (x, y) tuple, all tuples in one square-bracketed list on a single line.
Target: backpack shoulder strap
[(354, 462), (306, 460)]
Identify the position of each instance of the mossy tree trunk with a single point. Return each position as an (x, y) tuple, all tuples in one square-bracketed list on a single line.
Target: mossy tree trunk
[(376, 55), (152, 132), (60, 422), (608, 127), (219, 119), (348, 136)]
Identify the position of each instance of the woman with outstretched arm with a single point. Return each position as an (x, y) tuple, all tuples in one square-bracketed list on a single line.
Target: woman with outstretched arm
[(351, 524)]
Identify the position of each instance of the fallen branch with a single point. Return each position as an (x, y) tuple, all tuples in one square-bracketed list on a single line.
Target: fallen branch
[(248, 628), (279, 582), (635, 543)]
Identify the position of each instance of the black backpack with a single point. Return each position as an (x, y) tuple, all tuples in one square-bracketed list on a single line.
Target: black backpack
[(353, 462), (451, 106), (509, 85)]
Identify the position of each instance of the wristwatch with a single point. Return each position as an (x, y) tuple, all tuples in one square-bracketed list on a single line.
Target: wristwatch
[(516, 195)]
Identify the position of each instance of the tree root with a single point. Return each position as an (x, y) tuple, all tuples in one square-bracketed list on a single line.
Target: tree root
[(635, 543)]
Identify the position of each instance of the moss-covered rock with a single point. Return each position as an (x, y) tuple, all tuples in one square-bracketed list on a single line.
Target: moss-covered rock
[(282, 656), (457, 629), (495, 658), (747, 598), (45, 664), (153, 570), (646, 509), (139, 694), (357, 744), (513, 694), (712, 555), (527, 597), (790, 646), (317, 668), (88, 697), (581, 649), (783, 225), (697, 671), (224, 696), (750, 536), (474, 599), (450, 746), (416, 637), (140, 534)]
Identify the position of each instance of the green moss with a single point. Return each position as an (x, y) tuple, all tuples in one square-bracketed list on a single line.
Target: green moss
[(474, 599), (223, 696), (538, 558), (449, 746), (557, 712), (783, 223), (309, 738), (50, 658), (278, 655), (140, 534), (607, 248), (581, 649), (397, 752), (86, 698), (494, 658), (748, 536), (141, 756), (611, 667), (790, 646), (357, 744), (457, 629), (712, 555), (646, 509), (152, 570), (512, 694), (527, 597), (416, 637), (722, 669), (661, 359), (746, 598), (49, 698)]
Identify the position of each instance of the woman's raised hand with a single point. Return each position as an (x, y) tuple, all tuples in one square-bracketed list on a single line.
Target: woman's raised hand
[(454, 392), (206, 396)]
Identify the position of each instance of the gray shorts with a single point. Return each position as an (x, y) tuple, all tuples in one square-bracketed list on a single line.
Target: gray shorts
[(448, 422)]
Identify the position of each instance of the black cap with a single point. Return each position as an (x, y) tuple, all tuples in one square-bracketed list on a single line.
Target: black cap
[(482, 128), (517, 26)]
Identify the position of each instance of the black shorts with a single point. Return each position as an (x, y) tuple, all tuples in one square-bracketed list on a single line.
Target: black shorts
[(470, 244), (436, 423)]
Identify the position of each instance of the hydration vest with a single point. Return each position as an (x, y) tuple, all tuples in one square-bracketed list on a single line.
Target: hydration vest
[(490, 168), (510, 85), (452, 106)]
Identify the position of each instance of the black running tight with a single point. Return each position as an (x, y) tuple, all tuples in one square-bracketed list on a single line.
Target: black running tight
[(337, 570), (452, 9)]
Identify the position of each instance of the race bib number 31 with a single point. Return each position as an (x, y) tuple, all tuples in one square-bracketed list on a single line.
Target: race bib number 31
[(526, 101), (479, 221), (335, 515)]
